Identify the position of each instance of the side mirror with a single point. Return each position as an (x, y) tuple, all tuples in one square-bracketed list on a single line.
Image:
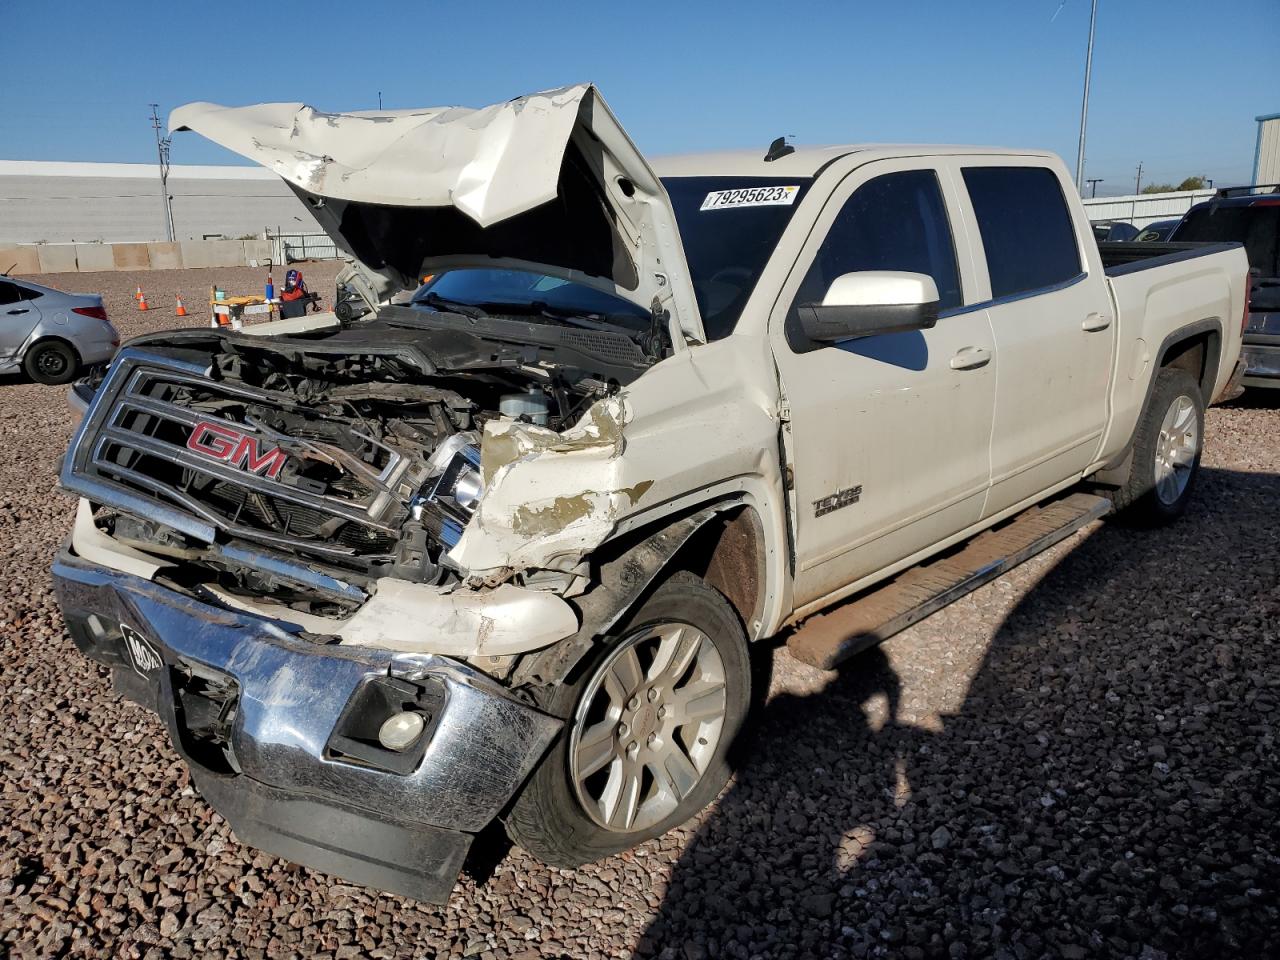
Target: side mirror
[(870, 302)]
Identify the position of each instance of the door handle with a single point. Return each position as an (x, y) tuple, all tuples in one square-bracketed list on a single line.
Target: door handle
[(12, 312), (967, 358), (1096, 321)]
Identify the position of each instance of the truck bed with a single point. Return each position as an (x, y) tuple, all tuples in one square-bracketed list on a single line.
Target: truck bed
[(1126, 256)]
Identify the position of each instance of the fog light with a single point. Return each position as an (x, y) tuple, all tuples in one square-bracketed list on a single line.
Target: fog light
[(400, 730)]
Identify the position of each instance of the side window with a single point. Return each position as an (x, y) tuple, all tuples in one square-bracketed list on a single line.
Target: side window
[(894, 222), (8, 293), (1026, 228), (26, 293)]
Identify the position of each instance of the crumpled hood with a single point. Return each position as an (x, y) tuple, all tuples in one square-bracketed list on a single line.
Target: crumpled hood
[(549, 180)]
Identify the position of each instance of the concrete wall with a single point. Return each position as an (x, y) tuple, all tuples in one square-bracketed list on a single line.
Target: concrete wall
[(19, 259), (114, 202), (58, 258), (93, 257), (166, 256)]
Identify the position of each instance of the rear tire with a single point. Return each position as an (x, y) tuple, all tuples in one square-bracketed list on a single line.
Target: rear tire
[(649, 723), (1166, 451), (51, 362)]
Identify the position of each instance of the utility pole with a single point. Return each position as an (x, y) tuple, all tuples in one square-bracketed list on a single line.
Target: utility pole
[(1084, 106), (162, 148), (1093, 186), (1137, 187)]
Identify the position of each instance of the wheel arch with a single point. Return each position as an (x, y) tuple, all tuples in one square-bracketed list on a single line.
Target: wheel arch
[(44, 338), (1196, 348), (722, 541)]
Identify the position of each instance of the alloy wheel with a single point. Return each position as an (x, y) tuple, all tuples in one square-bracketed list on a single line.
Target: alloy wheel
[(1176, 449), (647, 726)]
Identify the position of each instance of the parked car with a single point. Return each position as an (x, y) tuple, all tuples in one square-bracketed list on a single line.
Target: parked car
[(1158, 231), (1114, 230), (51, 335), (503, 552), (1248, 215)]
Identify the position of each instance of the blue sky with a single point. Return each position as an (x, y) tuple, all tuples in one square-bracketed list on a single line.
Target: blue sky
[(1176, 84)]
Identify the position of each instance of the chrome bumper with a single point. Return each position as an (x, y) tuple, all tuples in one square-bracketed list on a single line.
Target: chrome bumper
[(1262, 361), (298, 772)]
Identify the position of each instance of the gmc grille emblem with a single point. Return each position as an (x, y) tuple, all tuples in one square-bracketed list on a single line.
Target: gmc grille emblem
[(230, 446)]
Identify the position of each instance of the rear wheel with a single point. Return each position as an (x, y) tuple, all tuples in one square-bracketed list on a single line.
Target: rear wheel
[(1166, 450), (52, 362), (649, 724)]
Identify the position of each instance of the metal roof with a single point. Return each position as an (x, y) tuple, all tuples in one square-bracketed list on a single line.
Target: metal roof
[(807, 161)]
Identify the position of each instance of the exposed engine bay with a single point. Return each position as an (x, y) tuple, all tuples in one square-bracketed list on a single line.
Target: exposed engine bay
[(355, 450)]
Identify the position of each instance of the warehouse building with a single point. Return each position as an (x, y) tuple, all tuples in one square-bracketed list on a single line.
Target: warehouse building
[(54, 202), (1266, 155)]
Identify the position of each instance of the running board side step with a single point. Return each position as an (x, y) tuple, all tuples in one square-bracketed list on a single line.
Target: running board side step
[(835, 635)]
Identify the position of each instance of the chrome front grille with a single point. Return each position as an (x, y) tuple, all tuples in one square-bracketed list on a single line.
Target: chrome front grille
[(132, 452)]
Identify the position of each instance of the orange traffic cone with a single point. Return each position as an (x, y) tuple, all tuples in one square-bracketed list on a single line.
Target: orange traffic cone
[(181, 311), (137, 294), (142, 300)]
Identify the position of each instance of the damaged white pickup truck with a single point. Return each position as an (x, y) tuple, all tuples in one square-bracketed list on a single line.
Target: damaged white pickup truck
[(499, 550)]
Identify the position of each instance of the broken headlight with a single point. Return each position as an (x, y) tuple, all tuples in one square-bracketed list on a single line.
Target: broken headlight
[(454, 485)]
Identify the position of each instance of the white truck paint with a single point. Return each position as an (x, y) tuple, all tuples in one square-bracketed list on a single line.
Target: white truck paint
[(909, 345), (1019, 397)]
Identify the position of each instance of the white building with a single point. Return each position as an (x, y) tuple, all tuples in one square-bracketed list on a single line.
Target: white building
[(1266, 155), (55, 202)]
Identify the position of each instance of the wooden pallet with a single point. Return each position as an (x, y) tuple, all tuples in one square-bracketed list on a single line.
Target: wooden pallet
[(867, 619)]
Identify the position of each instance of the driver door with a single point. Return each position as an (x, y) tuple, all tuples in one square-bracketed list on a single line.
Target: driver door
[(888, 436)]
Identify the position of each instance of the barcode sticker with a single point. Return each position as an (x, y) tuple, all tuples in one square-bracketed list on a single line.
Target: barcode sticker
[(750, 197)]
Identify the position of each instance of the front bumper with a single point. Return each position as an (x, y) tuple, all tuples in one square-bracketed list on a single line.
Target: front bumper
[(295, 770)]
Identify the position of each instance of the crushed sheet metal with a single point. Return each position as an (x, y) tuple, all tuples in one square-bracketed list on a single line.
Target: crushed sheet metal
[(491, 163), (548, 496), (400, 616), (417, 617), (96, 547)]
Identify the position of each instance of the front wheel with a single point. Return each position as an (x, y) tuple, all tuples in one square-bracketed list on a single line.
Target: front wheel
[(649, 724), (1166, 451)]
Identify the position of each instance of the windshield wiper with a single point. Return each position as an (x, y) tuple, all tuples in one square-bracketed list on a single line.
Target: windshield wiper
[(433, 299), (576, 318)]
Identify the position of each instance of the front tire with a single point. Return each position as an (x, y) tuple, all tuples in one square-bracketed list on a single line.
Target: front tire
[(51, 362), (649, 724), (1166, 451)]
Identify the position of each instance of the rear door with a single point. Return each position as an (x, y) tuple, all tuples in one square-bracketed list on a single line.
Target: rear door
[(18, 317), (888, 435), (1050, 313)]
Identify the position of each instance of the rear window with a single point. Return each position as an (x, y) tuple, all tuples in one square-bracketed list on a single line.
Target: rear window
[(1026, 228), (1257, 227)]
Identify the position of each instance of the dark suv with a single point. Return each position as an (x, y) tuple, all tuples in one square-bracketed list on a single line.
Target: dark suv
[(1248, 215)]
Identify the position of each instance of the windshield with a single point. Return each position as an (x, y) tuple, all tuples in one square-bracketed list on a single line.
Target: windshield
[(527, 293), (729, 226)]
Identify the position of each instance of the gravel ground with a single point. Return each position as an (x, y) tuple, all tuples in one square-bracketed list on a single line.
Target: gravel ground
[(1078, 760)]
